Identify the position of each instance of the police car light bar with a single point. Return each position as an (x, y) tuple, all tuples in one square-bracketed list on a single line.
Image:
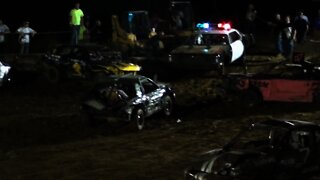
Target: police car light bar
[(225, 26), (206, 26), (203, 25)]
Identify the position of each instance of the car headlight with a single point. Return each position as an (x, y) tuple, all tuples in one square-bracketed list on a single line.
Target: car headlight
[(218, 59), (128, 110), (234, 172)]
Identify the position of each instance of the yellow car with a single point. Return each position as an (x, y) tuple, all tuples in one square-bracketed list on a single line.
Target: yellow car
[(84, 62)]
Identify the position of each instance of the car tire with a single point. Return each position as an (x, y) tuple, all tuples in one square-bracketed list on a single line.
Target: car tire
[(138, 119), (167, 105)]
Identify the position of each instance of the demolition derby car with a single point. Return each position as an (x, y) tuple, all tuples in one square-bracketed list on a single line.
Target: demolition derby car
[(85, 61), (271, 149), (284, 82), (209, 47), (4, 74), (128, 99)]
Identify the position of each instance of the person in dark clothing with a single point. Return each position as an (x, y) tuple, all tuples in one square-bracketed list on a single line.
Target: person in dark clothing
[(278, 25), (301, 24), (288, 37), (96, 33)]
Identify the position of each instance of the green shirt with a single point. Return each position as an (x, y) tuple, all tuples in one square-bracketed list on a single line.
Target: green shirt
[(76, 15)]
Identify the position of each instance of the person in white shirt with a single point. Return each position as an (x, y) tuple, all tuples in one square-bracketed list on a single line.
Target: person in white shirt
[(24, 37), (4, 29)]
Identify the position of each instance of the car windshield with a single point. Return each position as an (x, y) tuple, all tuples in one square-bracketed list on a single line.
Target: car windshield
[(210, 39), (257, 137)]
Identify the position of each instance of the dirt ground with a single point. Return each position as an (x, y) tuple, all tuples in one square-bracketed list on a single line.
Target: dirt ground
[(44, 136)]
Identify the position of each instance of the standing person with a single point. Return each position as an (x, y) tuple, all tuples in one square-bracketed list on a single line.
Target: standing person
[(278, 25), (301, 24), (96, 33), (24, 37), (316, 26), (288, 37), (76, 19), (4, 29), (250, 22)]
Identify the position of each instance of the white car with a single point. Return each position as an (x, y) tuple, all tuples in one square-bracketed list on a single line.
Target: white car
[(209, 46), (4, 73)]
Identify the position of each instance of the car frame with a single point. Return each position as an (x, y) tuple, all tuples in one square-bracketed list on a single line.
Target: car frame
[(275, 149), (91, 62), (128, 99), (284, 82)]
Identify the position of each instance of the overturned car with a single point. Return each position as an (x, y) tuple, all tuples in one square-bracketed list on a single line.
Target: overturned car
[(271, 149), (128, 99)]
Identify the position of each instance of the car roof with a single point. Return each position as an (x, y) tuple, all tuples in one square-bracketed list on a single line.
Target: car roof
[(217, 31), (286, 123)]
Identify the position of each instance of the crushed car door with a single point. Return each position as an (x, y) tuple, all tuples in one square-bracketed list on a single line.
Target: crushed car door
[(289, 90), (153, 95), (292, 85)]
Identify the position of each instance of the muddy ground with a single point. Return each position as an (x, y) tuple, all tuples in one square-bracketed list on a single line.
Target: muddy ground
[(44, 136)]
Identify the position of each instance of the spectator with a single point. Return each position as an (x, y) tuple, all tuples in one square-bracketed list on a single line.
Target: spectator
[(301, 24), (76, 19), (4, 29), (288, 37), (24, 37), (316, 26), (277, 28), (96, 33), (250, 26)]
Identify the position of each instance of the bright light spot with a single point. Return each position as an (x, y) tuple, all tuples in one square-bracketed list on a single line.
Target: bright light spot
[(227, 26), (203, 25), (206, 25)]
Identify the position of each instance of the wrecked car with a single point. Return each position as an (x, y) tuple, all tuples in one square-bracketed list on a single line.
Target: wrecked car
[(284, 82), (128, 99), (270, 149), (4, 73), (86, 62)]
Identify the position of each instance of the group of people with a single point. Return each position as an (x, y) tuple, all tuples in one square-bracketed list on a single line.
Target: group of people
[(78, 31), (24, 34), (287, 32)]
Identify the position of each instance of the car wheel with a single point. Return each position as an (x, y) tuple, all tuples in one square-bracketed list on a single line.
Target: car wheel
[(251, 98), (51, 74), (167, 106), (138, 119)]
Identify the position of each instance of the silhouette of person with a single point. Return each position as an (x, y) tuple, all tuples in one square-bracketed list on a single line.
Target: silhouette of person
[(24, 37), (301, 24), (76, 19), (4, 29)]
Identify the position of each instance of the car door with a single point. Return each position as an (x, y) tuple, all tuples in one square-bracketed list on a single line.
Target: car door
[(152, 96), (236, 44), (291, 86)]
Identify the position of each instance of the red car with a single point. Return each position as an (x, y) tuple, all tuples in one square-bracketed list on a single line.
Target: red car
[(284, 82)]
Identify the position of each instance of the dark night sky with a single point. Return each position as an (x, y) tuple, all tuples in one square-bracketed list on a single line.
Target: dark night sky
[(53, 15)]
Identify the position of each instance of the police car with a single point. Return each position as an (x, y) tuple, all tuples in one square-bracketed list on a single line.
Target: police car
[(209, 46)]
